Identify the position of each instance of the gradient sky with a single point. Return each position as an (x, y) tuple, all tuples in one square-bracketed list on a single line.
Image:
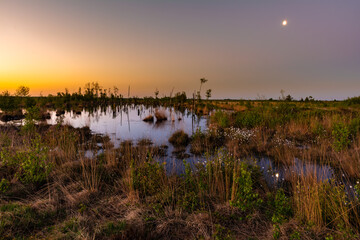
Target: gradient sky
[(239, 46)]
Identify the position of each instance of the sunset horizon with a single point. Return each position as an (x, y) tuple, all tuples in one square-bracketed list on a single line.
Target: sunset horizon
[(243, 48)]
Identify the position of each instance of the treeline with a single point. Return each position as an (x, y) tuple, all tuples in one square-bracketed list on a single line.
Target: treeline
[(92, 95)]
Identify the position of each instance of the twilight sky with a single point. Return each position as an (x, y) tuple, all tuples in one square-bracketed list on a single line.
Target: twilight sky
[(239, 46)]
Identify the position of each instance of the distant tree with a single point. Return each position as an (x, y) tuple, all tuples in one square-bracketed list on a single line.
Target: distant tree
[(202, 81), (156, 93), (8, 103), (180, 97), (289, 98), (208, 94), (96, 87), (22, 91), (116, 91), (309, 99), (5, 93)]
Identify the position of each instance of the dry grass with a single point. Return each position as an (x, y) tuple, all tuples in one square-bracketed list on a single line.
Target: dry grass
[(99, 198)]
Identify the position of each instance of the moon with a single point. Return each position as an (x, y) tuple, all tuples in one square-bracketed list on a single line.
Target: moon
[(284, 22)]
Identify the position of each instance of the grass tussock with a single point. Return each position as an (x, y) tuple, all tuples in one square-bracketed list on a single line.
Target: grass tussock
[(179, 139)]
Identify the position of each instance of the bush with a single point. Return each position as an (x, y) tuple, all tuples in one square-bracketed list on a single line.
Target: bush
[(353, 101), (32, 115), (280, 206), (341, 136), (221, 118), (147, 178), (248, 119), (243, 194), (31, 165), (4, 185), (354, 127)]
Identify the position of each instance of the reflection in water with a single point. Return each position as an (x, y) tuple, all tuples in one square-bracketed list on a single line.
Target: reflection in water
[(275, 174), (110, 122)]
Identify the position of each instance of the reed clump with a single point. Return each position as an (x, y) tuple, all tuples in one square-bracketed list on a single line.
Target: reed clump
[(179, 139)]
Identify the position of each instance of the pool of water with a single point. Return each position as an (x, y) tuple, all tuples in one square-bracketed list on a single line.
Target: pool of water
[(276, 174), (126, 123)]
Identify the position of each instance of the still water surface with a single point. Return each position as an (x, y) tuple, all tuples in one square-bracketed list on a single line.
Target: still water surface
[(126, 123)]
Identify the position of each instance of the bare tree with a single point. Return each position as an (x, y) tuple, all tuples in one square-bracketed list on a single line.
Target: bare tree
[(22, 91)]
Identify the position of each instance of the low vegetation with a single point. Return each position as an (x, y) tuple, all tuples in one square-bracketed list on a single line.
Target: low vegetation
[(50, 190)]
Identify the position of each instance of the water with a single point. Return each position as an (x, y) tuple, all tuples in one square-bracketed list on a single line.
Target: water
[(276, 174), (126, 123)]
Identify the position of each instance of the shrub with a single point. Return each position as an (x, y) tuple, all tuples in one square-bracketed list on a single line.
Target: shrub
[(248, 119), (32, 115), (34, 166), (279, 207), (4, 185), (189, 199), (31, 165), (221, 118), (243, 195), (147, 178), (353, 101), (341, 136), (354, 127)]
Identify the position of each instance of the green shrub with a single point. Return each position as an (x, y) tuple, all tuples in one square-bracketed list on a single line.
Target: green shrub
[(147, 178), (221, 118), (353, 101), (4, 185), (243, 194), (280, 210), (32, 115), (280, 206), (31, 165), (34, 165), (189, 199), (319, 130), (354, 127), (248, 119), (341, 136), (221, 233)]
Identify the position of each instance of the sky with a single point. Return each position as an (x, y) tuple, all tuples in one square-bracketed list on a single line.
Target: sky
[(240, 47)]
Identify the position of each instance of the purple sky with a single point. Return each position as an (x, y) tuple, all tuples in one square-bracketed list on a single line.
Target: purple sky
[(239, 46)]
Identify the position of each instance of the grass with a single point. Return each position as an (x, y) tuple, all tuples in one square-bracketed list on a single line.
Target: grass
[(179, 139), (48, 189)]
